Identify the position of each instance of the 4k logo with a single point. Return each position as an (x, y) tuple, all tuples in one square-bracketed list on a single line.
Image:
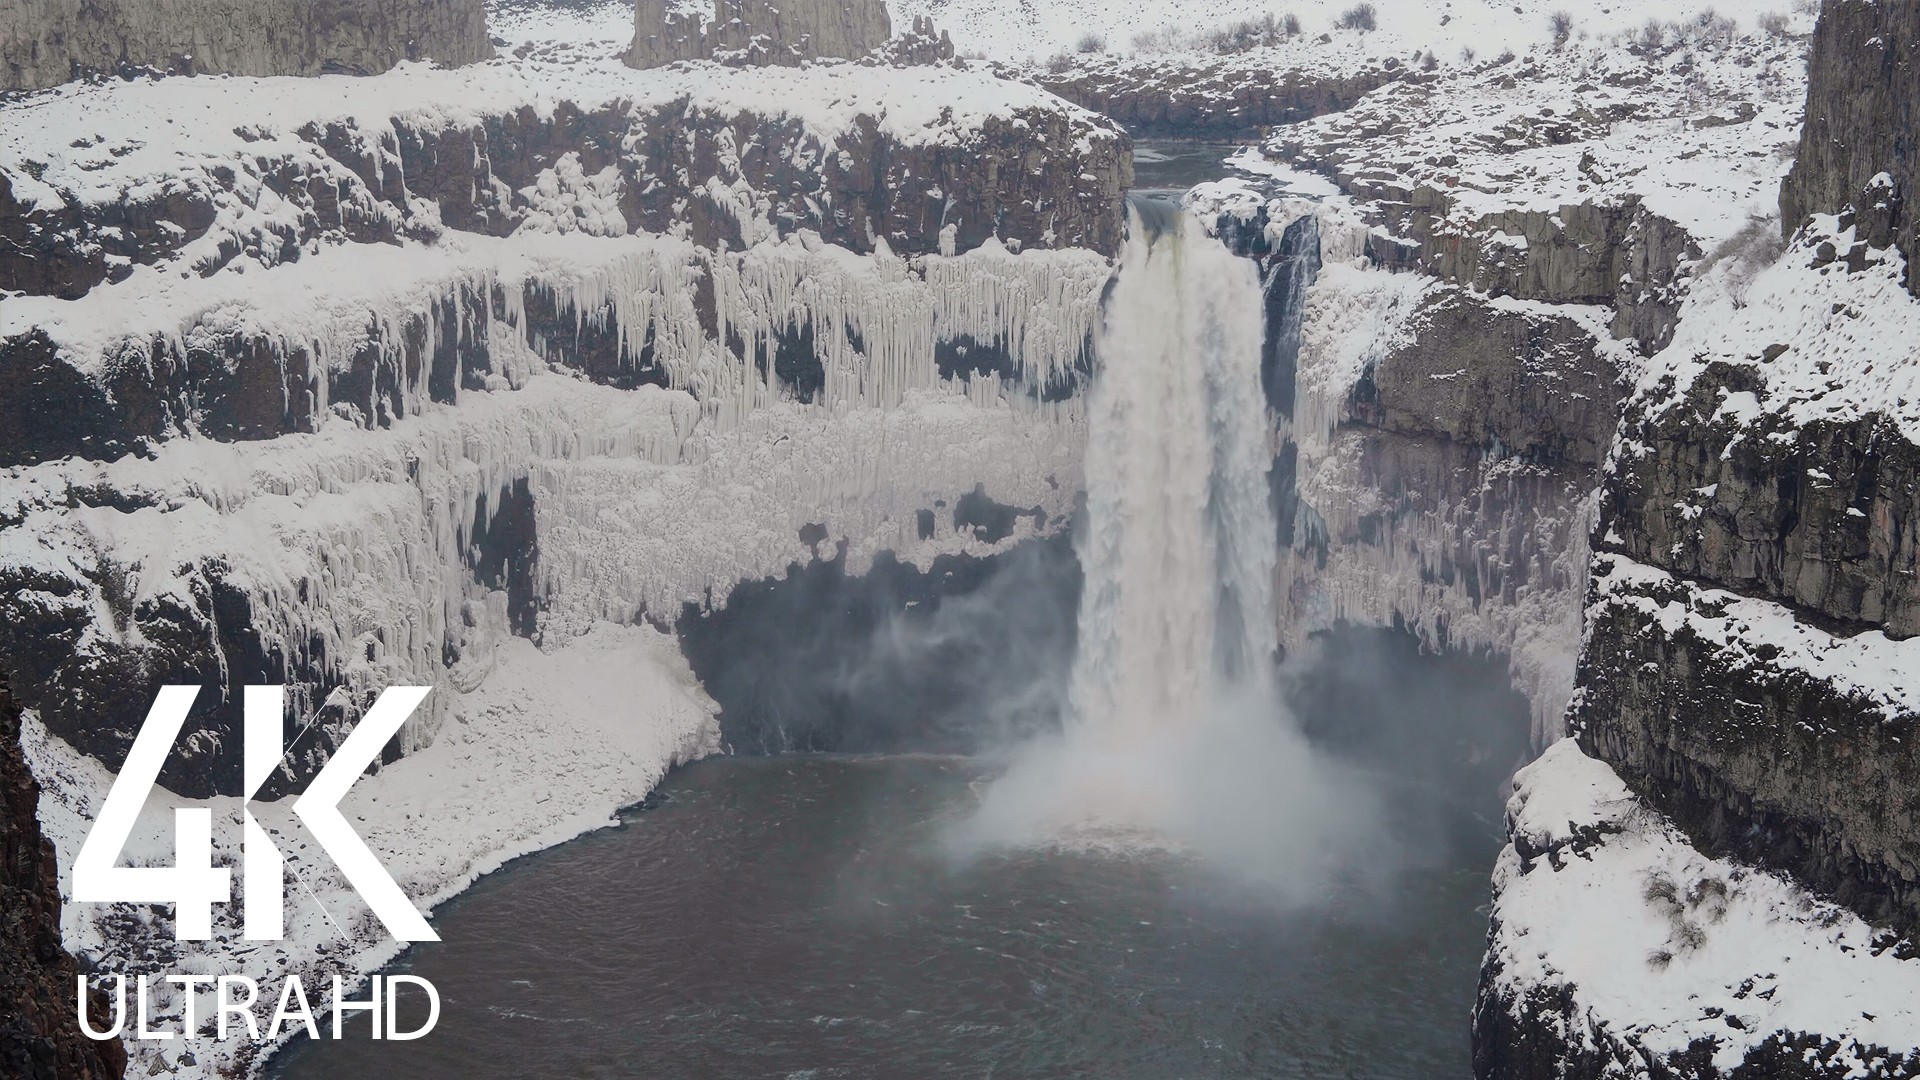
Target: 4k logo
[(193, 884)]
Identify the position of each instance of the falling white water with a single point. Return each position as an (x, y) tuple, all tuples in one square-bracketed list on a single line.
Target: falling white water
[(1176, 737), (1178, 540)]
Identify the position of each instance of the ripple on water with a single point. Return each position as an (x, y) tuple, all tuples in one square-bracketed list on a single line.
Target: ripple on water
[(799, 917)]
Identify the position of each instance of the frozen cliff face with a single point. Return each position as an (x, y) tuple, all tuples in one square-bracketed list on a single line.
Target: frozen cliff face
[(133, 249), (757, 32), (40, 1037), (1555, 312), (1863, 103), (480, 379), (46, 42), (528, 339)]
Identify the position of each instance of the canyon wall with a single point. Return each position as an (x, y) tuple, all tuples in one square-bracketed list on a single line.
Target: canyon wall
[(46, 42), (1759, 579), (1560, 392), (1863, 105), (1229, 97), (758, 32), (40, 1036)]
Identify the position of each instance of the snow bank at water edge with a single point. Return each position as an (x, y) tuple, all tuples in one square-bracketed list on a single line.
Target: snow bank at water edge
[(547, 749), (1659, 947)]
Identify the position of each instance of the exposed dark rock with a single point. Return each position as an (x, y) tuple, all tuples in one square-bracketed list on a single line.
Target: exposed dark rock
[(1821, 516), (1863, 107), (921, 44), (44, 42), (1759, 761), (1287, 269), (40, 1037), (506, 551), (1212, 99), (990, 521), (759, 32), (1471, 372), (1621, 256)]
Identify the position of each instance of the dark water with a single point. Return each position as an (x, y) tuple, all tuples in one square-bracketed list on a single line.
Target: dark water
[(1170, 168), (794, 917)]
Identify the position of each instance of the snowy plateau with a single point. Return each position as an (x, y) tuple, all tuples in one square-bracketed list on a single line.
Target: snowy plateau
[(478, 375)]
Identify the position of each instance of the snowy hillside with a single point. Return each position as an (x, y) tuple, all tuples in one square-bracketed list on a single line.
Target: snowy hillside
[(1034, 30)]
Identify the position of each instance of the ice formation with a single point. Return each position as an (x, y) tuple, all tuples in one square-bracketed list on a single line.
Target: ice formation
[(644, 499), (354, 543)]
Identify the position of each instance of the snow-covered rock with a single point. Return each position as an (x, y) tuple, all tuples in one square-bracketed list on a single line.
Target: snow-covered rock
[(46, 42)]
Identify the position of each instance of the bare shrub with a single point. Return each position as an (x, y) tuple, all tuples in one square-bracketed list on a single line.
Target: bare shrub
[(1165, 39), (1090, 43), (1714, 29), (1561, 23), (1774, 24), (1744, 255), (1361, 17)]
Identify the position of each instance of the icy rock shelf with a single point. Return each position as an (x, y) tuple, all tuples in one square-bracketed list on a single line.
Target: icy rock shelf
[(645, 499), (369, 333), (254, 172)]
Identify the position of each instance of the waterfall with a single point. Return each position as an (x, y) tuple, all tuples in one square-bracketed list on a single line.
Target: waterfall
[(1291, 272), (1176, 737), (1178, 540)]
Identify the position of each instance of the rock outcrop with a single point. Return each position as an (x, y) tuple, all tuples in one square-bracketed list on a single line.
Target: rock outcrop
[(1819, 516), (473, 274), (758, 32), (1442, 446), (1768, 741), (1036, 173), (1863, 106), (45, 42), (1759, 523), (1222, 98), (40, 1037)]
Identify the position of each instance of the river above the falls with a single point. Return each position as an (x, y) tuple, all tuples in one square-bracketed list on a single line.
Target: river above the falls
[(798, 916)]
